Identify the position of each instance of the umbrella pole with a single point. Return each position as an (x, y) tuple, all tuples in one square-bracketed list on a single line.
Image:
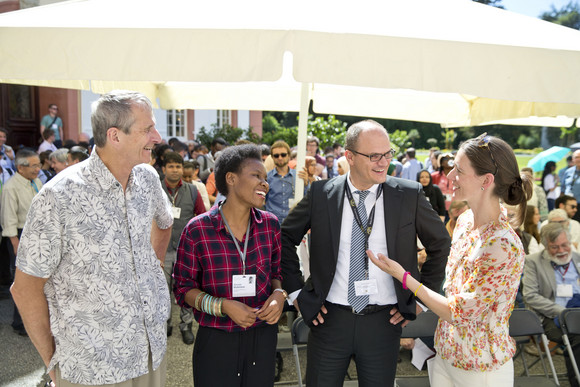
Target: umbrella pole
[(302, 134)]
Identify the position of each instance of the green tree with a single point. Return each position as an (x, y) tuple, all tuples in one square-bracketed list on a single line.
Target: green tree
[(432, 142), (289, 135), (400, 140), (568, 16), (328, 131), (449, 136), (569, 135), (493, 3), (228, 133), (413, 136)]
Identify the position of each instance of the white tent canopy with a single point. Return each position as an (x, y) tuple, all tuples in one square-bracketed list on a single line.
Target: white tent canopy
[(453, 62)]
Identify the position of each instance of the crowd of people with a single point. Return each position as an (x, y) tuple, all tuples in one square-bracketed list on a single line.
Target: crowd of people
[(103, 233)]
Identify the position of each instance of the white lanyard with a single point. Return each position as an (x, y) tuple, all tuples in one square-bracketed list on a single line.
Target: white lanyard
[(242, 255)]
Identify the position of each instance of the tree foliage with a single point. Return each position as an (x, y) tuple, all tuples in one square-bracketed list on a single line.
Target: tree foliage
[(328, 130), (228, 133), (568, 16)]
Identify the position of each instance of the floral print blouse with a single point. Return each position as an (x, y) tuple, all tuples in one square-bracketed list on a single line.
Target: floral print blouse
[(482, 278)]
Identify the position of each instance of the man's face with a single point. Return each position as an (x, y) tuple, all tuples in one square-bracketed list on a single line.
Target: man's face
[(576, 158), (338, 152), (2, 138), (280, 156), (173, 172), (363, 172), (311, 148), (136, 146), (216, 148), (53, 110), (571, 207), (560, 250), (58, 166), (31, 170)]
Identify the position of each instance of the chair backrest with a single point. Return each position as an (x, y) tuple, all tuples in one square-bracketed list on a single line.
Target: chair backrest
[(423, 326), (300, 331), (524, 322), (570, 321)]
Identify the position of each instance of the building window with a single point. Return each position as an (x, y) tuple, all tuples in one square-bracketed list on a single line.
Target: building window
[(224, 117), (177, 123)]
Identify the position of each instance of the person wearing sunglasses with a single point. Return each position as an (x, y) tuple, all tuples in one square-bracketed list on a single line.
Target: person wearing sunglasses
[(281, 180), (483, 270)]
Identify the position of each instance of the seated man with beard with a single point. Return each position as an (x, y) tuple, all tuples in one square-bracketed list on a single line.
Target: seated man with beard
[(551, 284)]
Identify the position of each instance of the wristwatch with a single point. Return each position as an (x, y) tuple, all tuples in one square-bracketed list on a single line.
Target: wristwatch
[(284, 293)]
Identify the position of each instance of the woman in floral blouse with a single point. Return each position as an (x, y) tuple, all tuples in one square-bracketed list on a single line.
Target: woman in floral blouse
[(483, 271)]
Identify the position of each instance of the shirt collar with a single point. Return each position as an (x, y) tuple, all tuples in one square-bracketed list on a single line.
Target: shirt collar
[(255, 218), (372, 190), (101, 173)]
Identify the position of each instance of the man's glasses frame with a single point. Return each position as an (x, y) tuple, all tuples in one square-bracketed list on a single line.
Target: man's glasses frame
[(376, 157), (276, 155)]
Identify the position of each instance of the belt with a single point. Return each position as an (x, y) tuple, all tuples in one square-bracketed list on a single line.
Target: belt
[(369, 309)]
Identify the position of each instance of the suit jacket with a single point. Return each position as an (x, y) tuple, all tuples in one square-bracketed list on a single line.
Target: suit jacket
[(407, 213), (540, 284)]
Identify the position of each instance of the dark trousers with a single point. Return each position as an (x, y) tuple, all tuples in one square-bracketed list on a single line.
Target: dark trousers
[(555, 334), (371, 339), (16, 319), (235, 358)]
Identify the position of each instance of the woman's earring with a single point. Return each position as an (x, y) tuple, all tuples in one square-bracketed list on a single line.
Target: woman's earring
[(482, 188)]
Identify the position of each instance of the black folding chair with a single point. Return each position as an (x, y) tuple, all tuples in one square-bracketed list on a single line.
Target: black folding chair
[(570, 323), (524, 322), (423, 326)]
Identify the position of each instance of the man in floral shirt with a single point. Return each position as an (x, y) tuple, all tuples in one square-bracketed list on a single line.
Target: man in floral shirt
[(89, 281)]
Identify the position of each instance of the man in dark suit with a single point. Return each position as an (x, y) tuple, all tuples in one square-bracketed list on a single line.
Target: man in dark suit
[(353, 309)]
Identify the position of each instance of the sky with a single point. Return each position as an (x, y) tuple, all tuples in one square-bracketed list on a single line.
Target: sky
[(532, 8)]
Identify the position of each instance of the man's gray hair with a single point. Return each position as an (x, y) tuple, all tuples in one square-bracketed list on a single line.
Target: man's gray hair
[(551, 232), (59, 155), (114, 110), (354, 131), (557, 213), (22, 157)]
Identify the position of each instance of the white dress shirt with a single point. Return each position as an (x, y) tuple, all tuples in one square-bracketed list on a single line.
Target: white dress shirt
[(338, 293)]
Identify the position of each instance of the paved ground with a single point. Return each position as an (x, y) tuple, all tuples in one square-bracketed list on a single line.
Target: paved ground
[(20, 365)]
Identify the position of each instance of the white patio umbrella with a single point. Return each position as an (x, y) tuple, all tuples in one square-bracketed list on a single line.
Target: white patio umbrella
[(454, 62)]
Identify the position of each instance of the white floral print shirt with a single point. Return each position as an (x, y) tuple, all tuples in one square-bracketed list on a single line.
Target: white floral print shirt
[(482, 278), (107, 295)]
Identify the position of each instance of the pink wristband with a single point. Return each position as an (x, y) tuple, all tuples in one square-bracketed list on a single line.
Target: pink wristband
[(405, 280)]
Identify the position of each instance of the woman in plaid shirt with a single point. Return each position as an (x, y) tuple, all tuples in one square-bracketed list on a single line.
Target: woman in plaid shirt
[(228, 271)]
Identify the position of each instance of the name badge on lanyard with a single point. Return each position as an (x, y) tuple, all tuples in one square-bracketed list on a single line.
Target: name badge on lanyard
[(366, 287), (244, 285), (176, 212), (564, 290)]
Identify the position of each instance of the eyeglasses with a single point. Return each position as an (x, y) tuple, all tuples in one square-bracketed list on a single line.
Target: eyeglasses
[(376, 157), (276, 155), (572, 206), (563, 246), (483, 142), (54, 108), (33, 166)]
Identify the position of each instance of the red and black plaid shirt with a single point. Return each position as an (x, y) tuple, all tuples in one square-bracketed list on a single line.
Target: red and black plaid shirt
[(207, 259)]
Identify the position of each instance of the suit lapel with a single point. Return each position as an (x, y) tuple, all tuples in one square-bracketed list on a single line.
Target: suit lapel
[(335, 202), (392, 200), (549, 271)]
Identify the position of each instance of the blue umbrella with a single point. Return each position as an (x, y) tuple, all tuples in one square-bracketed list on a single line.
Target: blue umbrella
[(555, 153)]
